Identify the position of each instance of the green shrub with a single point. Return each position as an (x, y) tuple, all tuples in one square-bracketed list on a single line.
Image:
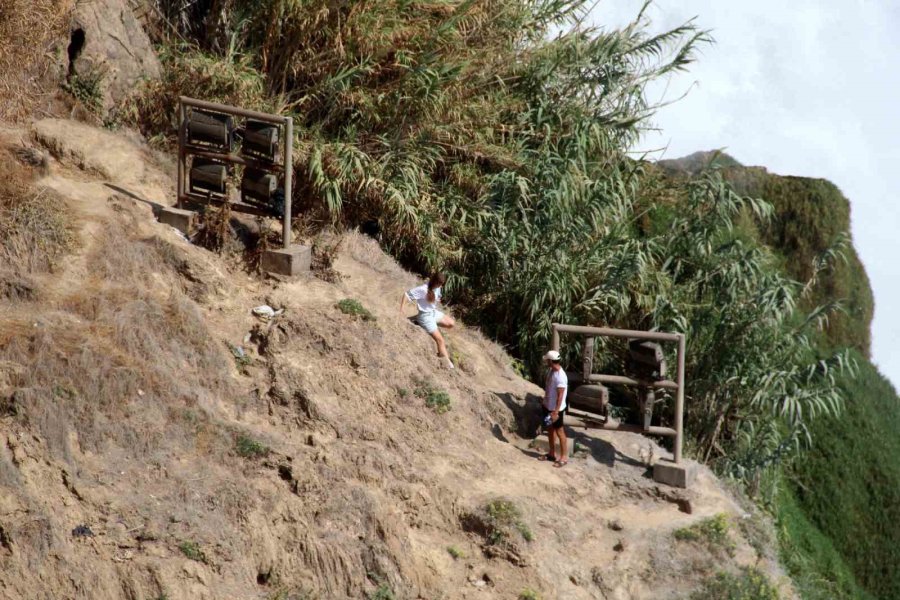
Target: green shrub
[(503, 516), (247, 447), (435, 399), (811, 558), (848, 483), (712, 531), (529, 594), (749, 584), (192, 551), (87, 88), (455, 552), (352, 307), (384, 592)]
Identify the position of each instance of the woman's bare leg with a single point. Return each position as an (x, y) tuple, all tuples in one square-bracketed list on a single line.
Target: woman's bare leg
[(441, 347), (447, 322)]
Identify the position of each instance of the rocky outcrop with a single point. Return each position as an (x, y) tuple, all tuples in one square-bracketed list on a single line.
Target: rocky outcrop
[(108, 51)]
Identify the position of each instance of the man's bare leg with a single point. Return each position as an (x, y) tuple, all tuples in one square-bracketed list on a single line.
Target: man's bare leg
[(563, 457)]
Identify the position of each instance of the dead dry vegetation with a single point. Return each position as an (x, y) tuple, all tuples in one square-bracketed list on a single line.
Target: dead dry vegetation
[(159, 441), (29, 29)]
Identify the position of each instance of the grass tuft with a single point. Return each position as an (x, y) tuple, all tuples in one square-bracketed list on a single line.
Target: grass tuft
[(247, 447), (384, 592), (712, 531), (354, 308), (502, 517), (192, 551), (436, 399), (749, 584)]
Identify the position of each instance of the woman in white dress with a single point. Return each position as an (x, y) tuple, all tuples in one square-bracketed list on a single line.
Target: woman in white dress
[(426, 297)]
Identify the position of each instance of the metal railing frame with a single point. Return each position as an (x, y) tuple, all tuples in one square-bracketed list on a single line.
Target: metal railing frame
[(288, 155), (677, 385)]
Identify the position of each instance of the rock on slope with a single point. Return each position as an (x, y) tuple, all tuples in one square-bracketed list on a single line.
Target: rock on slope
[(308, 468)]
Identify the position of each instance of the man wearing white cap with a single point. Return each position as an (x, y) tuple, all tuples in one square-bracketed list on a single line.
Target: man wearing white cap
[(554, 407)]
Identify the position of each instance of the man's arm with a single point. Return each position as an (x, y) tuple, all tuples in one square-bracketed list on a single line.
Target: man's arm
[(402, 303), (560, 392)]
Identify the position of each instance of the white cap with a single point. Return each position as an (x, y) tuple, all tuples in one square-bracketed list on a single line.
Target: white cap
[(552, 355)]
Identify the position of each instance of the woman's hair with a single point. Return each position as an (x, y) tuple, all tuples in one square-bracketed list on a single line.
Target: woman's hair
[(437, 280)]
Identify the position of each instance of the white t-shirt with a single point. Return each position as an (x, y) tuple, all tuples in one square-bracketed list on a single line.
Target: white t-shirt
[(419, 295), (556, 380)]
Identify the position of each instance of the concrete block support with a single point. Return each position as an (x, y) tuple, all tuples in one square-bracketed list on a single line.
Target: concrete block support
[(182, 220), (288, 261), (679, 475), (542, 444)]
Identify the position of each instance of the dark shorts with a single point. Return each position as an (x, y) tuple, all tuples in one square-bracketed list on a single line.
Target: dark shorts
[(556, 424)]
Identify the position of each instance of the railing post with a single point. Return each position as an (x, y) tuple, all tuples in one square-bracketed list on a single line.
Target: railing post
[(554, 345), (288, 179), (587, 364), (679, 401), (179, 188)]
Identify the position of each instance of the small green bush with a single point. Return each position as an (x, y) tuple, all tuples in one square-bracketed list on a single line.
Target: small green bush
[(503, 515), (529, 594), (455, 552), (247, 447), (435, 399), (352, 307), (750, 584), (525, 531), (192, 551), (87, 88), (383, 592), (712, 531)]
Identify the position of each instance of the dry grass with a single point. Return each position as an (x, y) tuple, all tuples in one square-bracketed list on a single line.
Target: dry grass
[(28, 31), (35, 223), (115, 362)]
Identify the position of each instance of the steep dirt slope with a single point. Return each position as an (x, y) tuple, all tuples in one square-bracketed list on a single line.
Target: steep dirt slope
[(308, 468)]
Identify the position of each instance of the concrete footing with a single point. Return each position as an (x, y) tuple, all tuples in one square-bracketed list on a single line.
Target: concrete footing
[(542, 444), (677, 475), (288, 261), (182, 220)]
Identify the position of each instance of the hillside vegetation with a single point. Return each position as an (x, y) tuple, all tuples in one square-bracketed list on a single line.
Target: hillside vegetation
[(838, 509)]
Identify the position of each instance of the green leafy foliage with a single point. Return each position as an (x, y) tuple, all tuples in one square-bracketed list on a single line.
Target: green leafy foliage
[(436, 399), (383, 592), (503, 516), (817, 568), (455, 552), (749, 584), (192, 551), (87, 87), (811, 215), (247, 447), (848, 485), (712, 531), (354, 308)]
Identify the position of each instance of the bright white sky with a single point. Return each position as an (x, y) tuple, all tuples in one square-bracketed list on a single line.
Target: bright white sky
[(801, 87)]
